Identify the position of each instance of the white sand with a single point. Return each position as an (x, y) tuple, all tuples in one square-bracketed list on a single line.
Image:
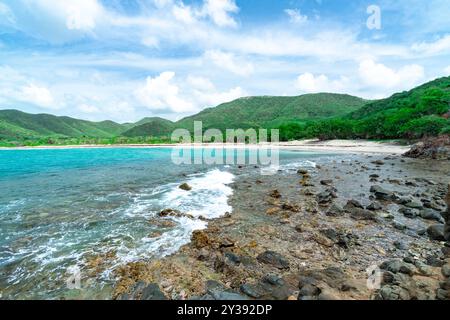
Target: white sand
[(346, 146)]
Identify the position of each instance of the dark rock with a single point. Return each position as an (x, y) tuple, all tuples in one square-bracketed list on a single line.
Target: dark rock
[(326, 182), (442, 294), (374, 206), (253, 291), (290, 207), (152, 292), (396, 266), (408, 212), (273, 258), (446, 270), (431, 148), (185, 187), (232, 258), (275, 194), (353, 204), (399, 226), (436, 232), (382, 194), (309, 290), (335, 211), (392, 292), (361, 214), (217, 291), (400, 245), (430, 214), (302, 171), (378, 162), (414, 204)]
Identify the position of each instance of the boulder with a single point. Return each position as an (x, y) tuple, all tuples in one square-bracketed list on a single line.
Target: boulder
[(436, 232), (185, 187), (274, 259)]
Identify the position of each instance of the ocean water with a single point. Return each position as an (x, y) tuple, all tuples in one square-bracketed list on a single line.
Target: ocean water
[(70, 217)]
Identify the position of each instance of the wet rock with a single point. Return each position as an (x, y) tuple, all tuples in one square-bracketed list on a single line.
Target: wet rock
[(217, 291), (430, 214), (174, 213), (353, 204), (290, 207), (272, 211), (326, 196), (200, 239), (436, 232), (253, 291), (381, 193), (392, 292), (400, 245), (378, 162), (359, 214), (374, 206), (335, 211), (232, 258), (446, 270), (396, 266), (302, 172), (408, 212), (431, 148), (399, 226), (153, 292), (442, 294), (326, 182), (340, 238), (275, 194), (274, 259), (185, 187), (414, 204)]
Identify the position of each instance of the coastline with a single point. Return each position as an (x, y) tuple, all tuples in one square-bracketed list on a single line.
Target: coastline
[(282, 232), (345, 146)]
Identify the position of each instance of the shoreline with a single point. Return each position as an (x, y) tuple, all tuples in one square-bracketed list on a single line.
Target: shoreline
[(345, 146), (273, 240)]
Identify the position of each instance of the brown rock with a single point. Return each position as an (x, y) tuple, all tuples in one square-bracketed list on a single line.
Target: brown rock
[(200, 239)]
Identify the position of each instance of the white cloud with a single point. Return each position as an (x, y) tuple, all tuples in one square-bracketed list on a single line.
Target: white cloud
[(380, 76), (206, 94), (439, 46), (160, 93), (309, 83), (295, 16), (183, 13), (38, 95), (86, 108), (229, 62), (219, 11)]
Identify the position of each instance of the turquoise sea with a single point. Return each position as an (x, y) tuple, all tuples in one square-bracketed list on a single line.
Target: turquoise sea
[(79, 214)]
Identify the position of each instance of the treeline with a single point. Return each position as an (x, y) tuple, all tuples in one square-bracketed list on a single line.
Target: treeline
[(411, 115)]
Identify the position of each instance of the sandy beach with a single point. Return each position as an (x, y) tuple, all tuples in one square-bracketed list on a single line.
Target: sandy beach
[(345, 146)]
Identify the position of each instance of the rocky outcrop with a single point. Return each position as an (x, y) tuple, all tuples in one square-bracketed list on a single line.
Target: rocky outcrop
[(431, 148)]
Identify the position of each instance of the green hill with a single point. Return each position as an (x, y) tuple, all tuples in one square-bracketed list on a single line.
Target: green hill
[(150, 127), (256, 112), (17, 125), (414, 114)]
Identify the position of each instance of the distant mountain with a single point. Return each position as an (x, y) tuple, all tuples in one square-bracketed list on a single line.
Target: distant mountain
[(256, 112), (150, 127), (17, 125)]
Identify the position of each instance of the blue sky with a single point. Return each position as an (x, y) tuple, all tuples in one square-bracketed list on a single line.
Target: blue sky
[(127, 59)]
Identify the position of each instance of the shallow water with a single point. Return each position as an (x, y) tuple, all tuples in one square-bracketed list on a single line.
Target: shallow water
[(78, 214)]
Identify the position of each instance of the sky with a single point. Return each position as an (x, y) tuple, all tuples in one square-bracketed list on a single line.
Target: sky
[(123, 60)]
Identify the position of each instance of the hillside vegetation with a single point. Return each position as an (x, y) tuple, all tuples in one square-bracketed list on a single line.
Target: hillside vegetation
[(423, 111)]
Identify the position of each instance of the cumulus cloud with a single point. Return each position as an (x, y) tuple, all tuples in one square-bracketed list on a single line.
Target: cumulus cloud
[(220, 12), (161, 93), (295, 16), (86, 108), (380, 76), (38, 95), (310, 83), (440, 46), (229, 62)]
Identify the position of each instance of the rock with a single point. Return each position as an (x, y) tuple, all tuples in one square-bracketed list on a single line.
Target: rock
[(400, 245), (232, 258), (382, 194), (274, 259), (360, 214), (309, 290), (290, 207), (392, 292), (353, 204), (396, 266), (446, 270), (414, 204), (430, 214), (335, 211), (275, 194), (200, 239), (399, 226), (302, 171), (253, 291), (272, 211), (185, 187), (442, 294), (378, 162), (374, 206), (326, 182), (340, 238), (374, 176), (408, 212), (436, 232), (169, 212), (217, 291), (431, 148), (153, 292)]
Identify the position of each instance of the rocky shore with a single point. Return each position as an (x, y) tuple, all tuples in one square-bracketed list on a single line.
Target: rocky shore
[(352, 227)]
